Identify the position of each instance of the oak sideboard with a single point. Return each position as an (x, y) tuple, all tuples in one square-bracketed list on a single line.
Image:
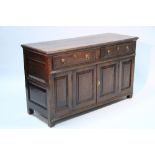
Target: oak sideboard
[(67, 77)]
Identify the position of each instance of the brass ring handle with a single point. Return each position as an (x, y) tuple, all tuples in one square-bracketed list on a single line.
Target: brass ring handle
[(75, 56), (98, 83), (109, 51), (127, 47), (62, 60), (87, 57)]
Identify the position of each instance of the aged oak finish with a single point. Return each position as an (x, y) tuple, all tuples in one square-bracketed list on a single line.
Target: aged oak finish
[(70, 76)]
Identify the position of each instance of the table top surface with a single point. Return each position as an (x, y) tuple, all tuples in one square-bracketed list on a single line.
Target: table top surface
[(56, 46)]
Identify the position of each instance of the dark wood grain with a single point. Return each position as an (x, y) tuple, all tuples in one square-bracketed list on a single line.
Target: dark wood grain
[(84, 87), (62, 93), (75, 58), (126, 75), (107, 76), (56, 46), (67, 77)]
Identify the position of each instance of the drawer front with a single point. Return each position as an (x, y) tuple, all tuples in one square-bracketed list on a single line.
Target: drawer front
[(75, 58), (118, 50), (109, 51), (126, 48)]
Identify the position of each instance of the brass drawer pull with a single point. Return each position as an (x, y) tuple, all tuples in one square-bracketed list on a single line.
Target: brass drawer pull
[(75, 56), (98, 83), (87, 56), (109, 51), (127, 47), (63, 61)]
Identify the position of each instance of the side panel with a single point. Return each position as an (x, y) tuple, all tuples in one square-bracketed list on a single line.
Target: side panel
[(36, 81)]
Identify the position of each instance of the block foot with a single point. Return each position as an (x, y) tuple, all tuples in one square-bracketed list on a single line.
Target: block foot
[(129, 96), (51, 124), (30, 111)]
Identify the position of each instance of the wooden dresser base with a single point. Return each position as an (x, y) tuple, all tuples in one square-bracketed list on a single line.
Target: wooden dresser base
[(65, 78)]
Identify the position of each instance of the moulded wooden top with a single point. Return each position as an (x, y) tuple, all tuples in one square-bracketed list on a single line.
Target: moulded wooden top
[(55, 46)]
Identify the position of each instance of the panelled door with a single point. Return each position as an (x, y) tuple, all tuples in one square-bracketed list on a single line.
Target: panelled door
[(88, 86), (126, 75), (84, 87), (107, 81), (62, 92)]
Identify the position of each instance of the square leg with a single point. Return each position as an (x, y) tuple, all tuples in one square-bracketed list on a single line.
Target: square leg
[(130, 96), (30, 111), (51, 123)]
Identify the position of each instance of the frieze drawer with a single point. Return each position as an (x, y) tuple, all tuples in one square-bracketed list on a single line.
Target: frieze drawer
[(75, 58), (111, 51)]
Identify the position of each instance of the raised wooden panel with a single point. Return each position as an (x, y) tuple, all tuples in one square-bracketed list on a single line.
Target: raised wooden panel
[(107, 76), (126, 75), (62, 93), (35, 66), (84, 86), (108, 79), (37, 95), (36, 70)]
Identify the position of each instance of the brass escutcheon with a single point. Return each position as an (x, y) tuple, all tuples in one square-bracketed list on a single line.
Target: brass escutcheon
[(98, 83), (127, 47), (63, 60), (109, 51), (87, 57)]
